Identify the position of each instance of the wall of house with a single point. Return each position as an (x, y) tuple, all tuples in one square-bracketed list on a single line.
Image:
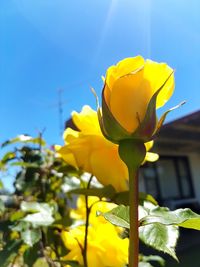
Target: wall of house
[(194, 164)]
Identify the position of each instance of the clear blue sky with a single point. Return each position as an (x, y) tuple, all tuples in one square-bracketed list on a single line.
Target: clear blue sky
[(50, 44)]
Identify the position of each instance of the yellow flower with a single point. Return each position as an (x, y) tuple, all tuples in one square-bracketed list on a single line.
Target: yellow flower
[(102, 236), (104, 246), (96, 205), (133, 90), (89, 150)]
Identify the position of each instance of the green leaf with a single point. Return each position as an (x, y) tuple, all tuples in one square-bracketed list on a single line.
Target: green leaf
[(160, 237), (31, 236), (24, 139), (1, 185), (54, 241), (8, 156), (15, 216), (181, 217), (20, 226), (118, 216), (143, 197), (2, 206), (24, 164), (65, 220), (73, 264), (32, 254), (9, 252), (42, 213), (153, 258), (145, 264), (41, 262), (123, 198), (107, 191), (5, 225)]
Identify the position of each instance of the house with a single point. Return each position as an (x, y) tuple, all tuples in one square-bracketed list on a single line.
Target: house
[(174, 180)]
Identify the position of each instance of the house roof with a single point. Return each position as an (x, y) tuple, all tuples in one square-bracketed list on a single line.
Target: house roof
[(180, 135)]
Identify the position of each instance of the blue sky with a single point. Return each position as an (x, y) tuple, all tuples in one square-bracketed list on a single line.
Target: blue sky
[(46, 45)]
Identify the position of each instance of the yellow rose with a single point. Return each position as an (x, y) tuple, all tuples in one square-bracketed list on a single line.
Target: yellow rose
[(133, 90), (89, 150), (96, 205), (102, 236), (104, 246)]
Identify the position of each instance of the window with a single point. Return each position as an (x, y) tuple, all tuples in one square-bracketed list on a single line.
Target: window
[(169, 178)]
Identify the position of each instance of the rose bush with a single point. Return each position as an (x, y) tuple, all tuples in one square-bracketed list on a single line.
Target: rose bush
[(90, 151)]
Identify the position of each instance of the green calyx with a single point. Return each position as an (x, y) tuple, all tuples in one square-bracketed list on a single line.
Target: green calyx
[(132, 152), (112, 128)]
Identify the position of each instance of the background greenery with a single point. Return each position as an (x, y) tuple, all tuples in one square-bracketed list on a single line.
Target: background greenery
[(34, 215)]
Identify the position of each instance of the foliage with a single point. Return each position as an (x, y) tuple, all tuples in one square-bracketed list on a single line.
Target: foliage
[(31, 221), (37, 223)]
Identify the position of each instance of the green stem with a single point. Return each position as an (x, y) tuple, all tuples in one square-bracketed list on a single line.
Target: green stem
[(132, 152), (87, 208), (86, 232), (133, 214)]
